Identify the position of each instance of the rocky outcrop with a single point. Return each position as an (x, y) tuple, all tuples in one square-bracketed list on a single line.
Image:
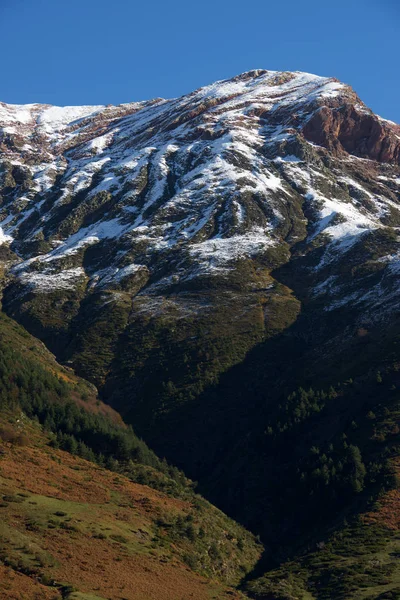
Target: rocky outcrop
[(356, 131)]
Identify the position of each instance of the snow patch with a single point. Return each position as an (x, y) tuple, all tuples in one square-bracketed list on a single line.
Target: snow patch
[(219, 252), (55, 118), (47, 282), (4, 238)]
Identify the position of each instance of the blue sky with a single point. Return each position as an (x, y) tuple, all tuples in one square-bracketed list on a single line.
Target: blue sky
[(108, 52)]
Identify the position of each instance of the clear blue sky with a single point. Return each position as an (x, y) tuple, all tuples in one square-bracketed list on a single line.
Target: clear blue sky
[(108, 52)]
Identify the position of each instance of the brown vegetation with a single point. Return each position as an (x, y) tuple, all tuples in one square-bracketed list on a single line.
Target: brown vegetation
[(72, 525), (387, 510)]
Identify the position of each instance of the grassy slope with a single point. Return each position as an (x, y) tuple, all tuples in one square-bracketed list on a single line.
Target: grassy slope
[(359, 561), (111, 537), (12, 335), (70, 526)]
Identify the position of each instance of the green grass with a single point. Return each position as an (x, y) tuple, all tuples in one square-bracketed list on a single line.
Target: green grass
[(196, 533), (355, 563), (81, 596), (22, 552)]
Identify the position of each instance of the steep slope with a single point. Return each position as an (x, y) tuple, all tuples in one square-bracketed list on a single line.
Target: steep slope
[(33, 382), (71, 529), (69, 525)]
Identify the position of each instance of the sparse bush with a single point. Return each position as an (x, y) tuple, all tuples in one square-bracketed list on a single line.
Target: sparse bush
[(119, 538)]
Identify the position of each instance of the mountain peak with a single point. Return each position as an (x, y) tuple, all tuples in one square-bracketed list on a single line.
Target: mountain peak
[(267, 86), (205, 179)]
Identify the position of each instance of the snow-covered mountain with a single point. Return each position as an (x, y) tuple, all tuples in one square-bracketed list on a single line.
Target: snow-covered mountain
[(181, 211), (214, 174), (225, 268)]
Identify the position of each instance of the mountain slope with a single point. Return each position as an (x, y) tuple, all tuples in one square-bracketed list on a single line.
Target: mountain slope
[(70, 526), (130, 219), (124, 524)]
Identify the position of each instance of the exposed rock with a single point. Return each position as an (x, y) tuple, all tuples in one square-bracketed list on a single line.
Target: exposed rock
[(356, 131)]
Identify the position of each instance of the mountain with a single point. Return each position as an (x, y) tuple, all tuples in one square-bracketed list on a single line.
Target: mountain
[(224, 268), (179, 211)]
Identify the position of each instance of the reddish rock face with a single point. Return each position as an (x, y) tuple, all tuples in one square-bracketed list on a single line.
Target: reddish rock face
[(347, 129)]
